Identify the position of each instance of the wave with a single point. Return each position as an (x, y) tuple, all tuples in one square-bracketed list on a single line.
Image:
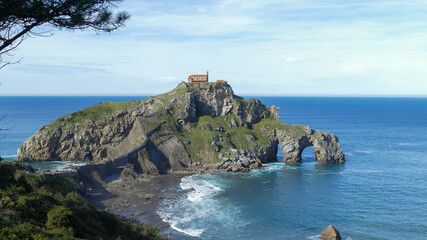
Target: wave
[(270, 167), (410, 144), (202, 188), (194, 212), (365, 151), (10, 156), (71, 164), (55, 165), (364, 171), (327, 173), (188, 231)]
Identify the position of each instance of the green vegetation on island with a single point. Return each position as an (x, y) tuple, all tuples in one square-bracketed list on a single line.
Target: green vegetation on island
[(33, 206)]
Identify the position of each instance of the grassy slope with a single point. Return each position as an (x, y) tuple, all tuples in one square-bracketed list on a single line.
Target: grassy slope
[(35, 207), (200, 141), (90, 113), (109, 108)]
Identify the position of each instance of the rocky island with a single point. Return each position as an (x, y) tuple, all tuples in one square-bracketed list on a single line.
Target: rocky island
[(197, 124)]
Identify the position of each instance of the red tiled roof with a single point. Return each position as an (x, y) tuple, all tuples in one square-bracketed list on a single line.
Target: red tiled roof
[(221, 81), (198, 76)]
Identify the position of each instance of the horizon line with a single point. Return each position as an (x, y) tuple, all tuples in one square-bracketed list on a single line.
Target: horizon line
[(244, 95)]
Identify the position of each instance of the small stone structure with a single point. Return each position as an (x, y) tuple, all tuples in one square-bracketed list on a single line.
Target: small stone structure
[(199, 78)]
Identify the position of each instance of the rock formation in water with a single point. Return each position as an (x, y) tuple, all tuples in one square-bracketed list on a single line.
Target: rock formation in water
[(330, 233), (194, 124)]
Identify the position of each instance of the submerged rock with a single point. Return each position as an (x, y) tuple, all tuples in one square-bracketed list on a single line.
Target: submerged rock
[(330, 233), (196, 125)]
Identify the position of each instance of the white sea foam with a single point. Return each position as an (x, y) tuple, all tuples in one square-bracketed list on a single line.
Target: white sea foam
[(276, 166), (202, 188), (365, 171), (410, 144), (270, 167), (63, 165), (188, 231), (167, 215), (195, 211), (365, 151), (327, 173), (309, 163), (198, 204)]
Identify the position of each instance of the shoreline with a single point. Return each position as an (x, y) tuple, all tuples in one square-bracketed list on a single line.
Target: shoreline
[(137, 200)]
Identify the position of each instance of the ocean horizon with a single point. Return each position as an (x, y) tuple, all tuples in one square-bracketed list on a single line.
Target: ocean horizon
[(379, 193)]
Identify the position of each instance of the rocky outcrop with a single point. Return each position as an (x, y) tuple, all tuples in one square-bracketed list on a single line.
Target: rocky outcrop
[(194, 123), (95, 139), (330, 233), (327, 148), (240, 163)]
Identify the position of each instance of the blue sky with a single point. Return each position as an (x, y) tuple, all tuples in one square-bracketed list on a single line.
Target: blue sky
[(267, 47)]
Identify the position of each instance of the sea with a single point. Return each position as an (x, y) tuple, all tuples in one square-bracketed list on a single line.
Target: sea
[(380, 192)]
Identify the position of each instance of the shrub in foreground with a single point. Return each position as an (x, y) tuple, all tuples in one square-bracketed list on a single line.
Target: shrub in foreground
[(33, 207)]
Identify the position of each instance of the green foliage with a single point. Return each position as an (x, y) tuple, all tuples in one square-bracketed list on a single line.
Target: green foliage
[(35, 207), (201, 147), (90, 113), (25, 231), (205, 145), (166, 98), (270, 124), (149, 124), (58, 217)]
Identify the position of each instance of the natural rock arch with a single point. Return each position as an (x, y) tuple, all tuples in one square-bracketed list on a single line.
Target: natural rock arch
[(327, 148)]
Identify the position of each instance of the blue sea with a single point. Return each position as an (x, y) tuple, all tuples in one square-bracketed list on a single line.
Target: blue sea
[(379, 193)]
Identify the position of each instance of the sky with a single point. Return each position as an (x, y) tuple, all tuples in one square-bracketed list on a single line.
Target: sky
[(261, 47)]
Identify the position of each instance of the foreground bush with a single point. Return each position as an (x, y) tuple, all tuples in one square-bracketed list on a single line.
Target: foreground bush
[(35, 207)]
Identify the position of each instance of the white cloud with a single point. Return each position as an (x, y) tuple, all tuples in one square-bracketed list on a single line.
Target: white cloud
[(270, 47), (168, 78), (292, 59)]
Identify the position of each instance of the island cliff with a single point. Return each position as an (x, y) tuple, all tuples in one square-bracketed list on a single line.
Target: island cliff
[(194, 124)]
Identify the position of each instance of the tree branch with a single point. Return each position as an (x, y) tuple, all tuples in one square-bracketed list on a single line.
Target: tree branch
[(17, 36)]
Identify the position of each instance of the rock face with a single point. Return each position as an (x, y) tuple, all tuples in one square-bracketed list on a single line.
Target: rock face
[(194, 123), (327, 149), (330, 233)]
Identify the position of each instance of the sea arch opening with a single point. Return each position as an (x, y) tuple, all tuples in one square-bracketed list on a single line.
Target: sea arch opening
[(308, 155), (279, 153)]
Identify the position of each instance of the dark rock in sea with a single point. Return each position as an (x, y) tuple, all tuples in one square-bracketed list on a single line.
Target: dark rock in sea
[(330, 233), (196, 125), (149, 196)]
